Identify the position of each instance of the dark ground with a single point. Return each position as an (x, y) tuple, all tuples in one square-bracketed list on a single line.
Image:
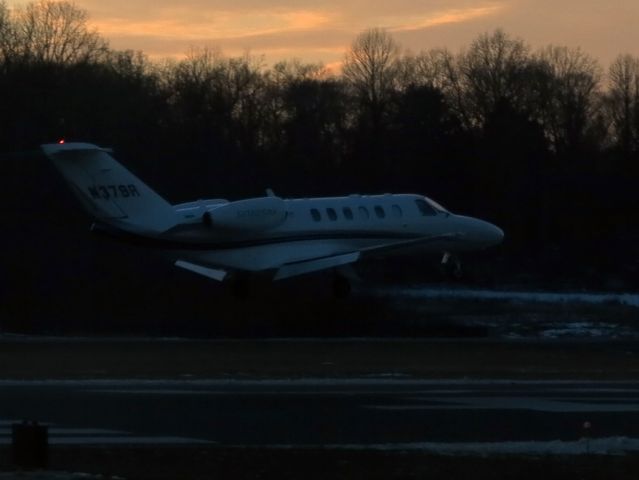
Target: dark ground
[(480, 355), (34, 358), (248, 463), (23, 358)]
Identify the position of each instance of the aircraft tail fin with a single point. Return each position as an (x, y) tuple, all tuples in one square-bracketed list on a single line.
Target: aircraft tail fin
[(108, 191)]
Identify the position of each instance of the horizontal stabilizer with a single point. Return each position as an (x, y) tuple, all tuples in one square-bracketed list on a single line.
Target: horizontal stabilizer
[(213, 273), (308, 266)]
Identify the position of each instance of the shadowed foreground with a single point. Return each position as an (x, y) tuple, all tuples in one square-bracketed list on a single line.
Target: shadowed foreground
[(248, 463), (41, 358)]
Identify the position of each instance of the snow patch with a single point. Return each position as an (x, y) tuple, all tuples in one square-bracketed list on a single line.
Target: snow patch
[(584, 446), (629, 299), (581, 329)]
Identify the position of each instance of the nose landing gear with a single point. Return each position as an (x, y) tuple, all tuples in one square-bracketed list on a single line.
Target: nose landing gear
[(451, 267)]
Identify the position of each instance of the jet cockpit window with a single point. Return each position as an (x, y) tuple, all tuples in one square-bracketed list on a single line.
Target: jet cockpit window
[(424, 208), (348, 213), (437, 206), (363, 212), (332, 215), (379, 211), (317, 216), (397, 211)]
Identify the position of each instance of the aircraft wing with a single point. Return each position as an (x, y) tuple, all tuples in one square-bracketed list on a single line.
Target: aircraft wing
[(322, 263), (286, 270), (293, 269), (389, 247), (314, 265)]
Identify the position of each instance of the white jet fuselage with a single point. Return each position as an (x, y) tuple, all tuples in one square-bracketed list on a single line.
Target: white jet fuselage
[(325, 227), (280, 237)]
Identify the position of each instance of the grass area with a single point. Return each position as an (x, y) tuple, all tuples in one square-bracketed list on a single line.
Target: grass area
[(302, 311), (131, 358), (190, 463)]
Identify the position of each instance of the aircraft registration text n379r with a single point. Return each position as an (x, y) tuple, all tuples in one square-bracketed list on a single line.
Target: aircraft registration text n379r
[(269, 236)]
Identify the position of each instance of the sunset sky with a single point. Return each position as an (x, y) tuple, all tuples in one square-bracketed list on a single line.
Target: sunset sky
[(321, 30)]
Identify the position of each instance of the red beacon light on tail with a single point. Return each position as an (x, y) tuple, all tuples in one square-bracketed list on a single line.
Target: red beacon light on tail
[(61, 141)]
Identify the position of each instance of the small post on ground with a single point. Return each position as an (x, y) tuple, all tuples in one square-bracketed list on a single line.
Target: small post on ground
[(30, 445), (587, 426)]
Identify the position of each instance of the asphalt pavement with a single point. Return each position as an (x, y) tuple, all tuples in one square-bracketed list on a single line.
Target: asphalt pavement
[(388, 413)]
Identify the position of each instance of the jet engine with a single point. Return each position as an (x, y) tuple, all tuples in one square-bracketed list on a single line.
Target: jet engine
[(250, 214)]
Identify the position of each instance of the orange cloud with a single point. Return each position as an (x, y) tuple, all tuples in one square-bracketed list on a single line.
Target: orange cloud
[(321, 30), (447, 17), (219, 25)]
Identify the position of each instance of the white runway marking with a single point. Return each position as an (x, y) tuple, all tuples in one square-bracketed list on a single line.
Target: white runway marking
[(538, 404), (8, 423), (98, 436), (317, 382), (234, 393), (119, 441), (71, 431), (133, 440)]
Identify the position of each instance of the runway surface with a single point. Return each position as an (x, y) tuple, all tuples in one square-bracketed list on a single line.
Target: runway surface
[(380, 413)]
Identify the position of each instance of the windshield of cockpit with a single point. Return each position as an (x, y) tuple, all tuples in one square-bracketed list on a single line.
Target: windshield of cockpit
[(437, 206)]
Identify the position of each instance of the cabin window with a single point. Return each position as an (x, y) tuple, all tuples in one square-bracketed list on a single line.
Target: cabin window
[(424, 208), (332, 215), (379, 211), (317, 216), (397, 211), (363, 212), (348, 213)]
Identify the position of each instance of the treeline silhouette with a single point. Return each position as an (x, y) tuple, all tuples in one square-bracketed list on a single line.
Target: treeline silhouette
[(545, 143)]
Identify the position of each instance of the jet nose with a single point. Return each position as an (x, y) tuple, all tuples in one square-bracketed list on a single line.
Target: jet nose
[(491, 234), (485, 234), (478, 234), (498, 235)]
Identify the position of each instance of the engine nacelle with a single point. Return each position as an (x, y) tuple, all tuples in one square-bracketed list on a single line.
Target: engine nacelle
[(250, 214)]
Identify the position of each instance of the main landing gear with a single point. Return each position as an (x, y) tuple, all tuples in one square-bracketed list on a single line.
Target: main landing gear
[(240, 286), (451, 267), (341, 286)]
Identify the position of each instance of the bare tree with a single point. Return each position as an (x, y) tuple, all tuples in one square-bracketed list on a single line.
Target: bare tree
[(623, 101), (427, 67), (290, 71), (493, 70), (4, 21), (440, 69), (227, 95), (51, 31), (200, 64), (371, 68), (7, 34), (285, 77), (574, 79), (131, 64), (4, 26), (453, 85)]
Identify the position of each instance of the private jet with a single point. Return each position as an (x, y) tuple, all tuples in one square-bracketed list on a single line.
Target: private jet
[(269, 236)]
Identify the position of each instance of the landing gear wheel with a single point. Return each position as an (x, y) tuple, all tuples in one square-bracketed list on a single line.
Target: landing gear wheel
[(240, 287), (341, 286), (451, 267)]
